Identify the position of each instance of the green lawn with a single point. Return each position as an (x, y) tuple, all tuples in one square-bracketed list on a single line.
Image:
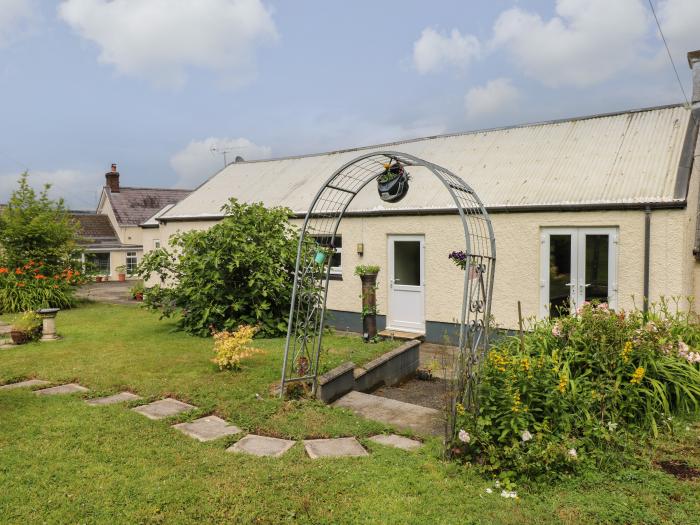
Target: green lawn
[(62, 461)]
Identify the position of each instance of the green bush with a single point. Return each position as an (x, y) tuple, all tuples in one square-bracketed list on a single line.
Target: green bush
[(29, 287), (238, 272), (580, 389)]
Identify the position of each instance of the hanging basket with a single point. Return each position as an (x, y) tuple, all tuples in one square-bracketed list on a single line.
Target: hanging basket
[(392, 185)]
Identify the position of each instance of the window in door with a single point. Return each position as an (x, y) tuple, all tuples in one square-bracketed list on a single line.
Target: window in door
[(578, 264), (100, 262)]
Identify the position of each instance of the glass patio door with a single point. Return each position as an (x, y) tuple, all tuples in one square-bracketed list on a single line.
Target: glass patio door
[(578, 265)]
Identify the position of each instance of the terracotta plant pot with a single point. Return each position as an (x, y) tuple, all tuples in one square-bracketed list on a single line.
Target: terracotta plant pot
[(98, 279), (19, 337), (121, 277)]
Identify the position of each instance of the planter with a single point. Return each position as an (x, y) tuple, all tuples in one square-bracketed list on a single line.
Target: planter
[(20, 337), (392, 185), (121, 277), (98, 279), (369, 306), (138, 297)]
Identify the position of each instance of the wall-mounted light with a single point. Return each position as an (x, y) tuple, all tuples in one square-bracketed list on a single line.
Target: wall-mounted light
[(360, 248)]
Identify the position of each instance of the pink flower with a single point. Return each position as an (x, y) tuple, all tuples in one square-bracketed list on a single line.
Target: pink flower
[(556, 330)]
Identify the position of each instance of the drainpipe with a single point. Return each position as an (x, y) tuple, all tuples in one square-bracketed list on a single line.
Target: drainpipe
[(647, 257)]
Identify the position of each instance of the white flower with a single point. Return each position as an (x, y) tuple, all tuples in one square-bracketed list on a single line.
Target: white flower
[(509, 494), (526, 436), (497, 484), (572, 452), (611, 426), (464, 436), (489, 491)]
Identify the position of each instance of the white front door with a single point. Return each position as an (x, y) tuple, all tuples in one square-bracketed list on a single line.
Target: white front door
[(578, 265), (406, 283)]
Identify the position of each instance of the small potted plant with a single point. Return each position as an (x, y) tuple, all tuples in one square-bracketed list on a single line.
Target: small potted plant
[(26, 328), (137, 292), (368, 276), (392, 185), (121, 273)]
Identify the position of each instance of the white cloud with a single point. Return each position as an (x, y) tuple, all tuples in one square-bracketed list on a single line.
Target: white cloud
[(160, 39), (14, 17), (496, 97), (79, 189), (679, 21), (197, 162), (434, 52), (587, 42)]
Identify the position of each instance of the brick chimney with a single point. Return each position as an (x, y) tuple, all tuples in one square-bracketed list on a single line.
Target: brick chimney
[(112, 179)]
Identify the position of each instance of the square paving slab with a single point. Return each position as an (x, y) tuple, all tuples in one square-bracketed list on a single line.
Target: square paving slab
[(207, 428), (163, 408), (70, 388), (262, 446), (24, 384), (392, 440), (334, 448), (421, 420), (121, 397)]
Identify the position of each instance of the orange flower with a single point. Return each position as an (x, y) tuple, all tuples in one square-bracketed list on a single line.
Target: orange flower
[(55, 286), (3, 270), (21, 285), (39, 276), (18, 271), (77, 273)]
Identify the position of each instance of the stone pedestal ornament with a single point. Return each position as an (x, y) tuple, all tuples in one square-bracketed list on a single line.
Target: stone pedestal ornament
[(48, 318)]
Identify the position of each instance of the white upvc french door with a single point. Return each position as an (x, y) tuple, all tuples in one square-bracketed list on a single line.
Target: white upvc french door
[(577, 265)]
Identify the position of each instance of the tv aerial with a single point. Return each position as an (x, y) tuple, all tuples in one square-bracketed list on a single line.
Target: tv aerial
[(225, 151)]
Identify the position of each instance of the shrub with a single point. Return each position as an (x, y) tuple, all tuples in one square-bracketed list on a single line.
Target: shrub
[(35, 227), (29, 323), (366, 269), (578, 389), (240, 271), (232, 347), (31, 287)]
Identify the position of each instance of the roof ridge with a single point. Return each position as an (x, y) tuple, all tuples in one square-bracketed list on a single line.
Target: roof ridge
[(147, 188)]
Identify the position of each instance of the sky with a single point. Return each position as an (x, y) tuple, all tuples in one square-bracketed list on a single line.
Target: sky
[(156, 85)]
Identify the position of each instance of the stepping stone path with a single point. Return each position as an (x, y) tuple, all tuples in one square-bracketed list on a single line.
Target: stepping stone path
[(24, 384), (70, 388), (164, 408), (392, 440), (208, 428), (262, 446), (334, 448), (111, 400)]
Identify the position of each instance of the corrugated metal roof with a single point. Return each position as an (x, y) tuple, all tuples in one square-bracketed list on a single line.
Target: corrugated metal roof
[(624, 158)]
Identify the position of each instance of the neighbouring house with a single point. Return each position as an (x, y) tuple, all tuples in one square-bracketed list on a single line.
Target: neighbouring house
[(113, 236), (593, 208)]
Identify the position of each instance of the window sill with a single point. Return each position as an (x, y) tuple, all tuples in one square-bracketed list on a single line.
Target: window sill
[(336, 277)]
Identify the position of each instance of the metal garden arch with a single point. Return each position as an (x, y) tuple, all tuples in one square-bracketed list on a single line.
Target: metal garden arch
[(306, 318)]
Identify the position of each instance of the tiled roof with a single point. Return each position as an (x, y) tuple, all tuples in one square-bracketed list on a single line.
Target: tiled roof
[(95, 229), (132, 206)]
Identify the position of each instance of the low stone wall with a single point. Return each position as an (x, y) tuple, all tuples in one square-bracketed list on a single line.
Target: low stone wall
[(388, 369)]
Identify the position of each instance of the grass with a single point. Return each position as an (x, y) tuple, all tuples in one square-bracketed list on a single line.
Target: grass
[(62, 461)]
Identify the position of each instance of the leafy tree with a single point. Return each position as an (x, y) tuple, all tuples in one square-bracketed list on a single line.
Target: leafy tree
[(238, 272), (35, 227)]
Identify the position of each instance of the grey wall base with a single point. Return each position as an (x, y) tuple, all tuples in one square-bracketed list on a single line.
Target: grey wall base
[(435, 332), (388, 369)]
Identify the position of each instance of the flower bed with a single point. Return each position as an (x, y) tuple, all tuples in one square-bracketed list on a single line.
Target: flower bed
[(580, 390), (31, 287)]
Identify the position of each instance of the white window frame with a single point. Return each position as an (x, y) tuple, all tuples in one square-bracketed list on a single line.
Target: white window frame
[(335, 270), (578, 264), (136, 261)]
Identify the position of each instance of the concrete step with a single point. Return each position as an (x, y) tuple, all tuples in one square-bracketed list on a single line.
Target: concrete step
[(398, 334), (405, 416)]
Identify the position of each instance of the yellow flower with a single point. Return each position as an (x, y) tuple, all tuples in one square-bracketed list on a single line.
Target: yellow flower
[(563, 382), (637, 376), (460, 409), (626, 352)]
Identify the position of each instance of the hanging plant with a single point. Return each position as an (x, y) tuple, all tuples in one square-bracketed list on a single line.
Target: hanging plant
[(392, 184), (462, 260)]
